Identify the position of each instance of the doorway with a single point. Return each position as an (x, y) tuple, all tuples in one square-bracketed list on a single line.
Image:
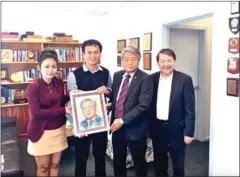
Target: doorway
[(191, 40)]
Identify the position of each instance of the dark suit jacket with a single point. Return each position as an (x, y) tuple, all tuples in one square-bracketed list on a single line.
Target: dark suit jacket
[(181, 107), (136, 103), (98, 122)]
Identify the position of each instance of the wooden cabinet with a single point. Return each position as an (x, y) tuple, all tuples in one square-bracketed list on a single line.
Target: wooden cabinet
[(21, 111)]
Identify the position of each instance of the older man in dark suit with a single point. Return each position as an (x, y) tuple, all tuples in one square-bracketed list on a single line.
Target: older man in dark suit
[(172, 114), (131, 97)]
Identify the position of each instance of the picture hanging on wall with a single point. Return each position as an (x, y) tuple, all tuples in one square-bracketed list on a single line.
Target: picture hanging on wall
[(233, 45), (121, 44), (147, 42), (233, 87), (147, 64), (134, 42), (119, 60), (235, 7), (234, 24)]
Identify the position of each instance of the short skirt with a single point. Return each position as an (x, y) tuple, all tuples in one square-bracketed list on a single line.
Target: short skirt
[(52, 141)]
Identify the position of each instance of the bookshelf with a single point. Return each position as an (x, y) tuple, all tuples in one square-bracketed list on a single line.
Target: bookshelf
[(20, 111)]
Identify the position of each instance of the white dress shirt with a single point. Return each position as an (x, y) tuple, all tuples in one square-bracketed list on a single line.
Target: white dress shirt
[(163, 97)]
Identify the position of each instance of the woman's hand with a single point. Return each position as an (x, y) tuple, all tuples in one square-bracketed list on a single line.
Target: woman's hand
[(68, 109)]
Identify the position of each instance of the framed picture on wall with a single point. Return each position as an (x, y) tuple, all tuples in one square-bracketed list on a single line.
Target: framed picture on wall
[(147, 64), (134, 42), (147, 42), (235, 7), (233, 87), (121, 44), (119, 60), (89, 112)]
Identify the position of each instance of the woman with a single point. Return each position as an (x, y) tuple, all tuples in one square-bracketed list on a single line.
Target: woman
[(46, 128)]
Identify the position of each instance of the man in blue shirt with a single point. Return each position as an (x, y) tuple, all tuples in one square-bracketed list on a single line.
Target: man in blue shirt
[(90, 76)]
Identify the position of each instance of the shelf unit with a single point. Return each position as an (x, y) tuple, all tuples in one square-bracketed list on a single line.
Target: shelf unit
[(21, 111)]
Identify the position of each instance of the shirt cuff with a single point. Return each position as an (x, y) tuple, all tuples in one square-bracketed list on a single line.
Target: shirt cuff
[(121, 121)]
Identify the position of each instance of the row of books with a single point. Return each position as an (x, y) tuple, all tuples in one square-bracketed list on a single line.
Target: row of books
[(24, 76), (64, 54), (69, 54), (10, 36), (13, 96), (31, 36), (30, 75), (9, 55), (64, 72)]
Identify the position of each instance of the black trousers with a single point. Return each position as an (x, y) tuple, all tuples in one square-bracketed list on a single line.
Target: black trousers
[(99, 145), (164, 143), (137, 150)]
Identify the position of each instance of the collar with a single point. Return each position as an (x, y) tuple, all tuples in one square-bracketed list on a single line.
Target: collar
[(92, 119), (85, 68), (131, 74), (168, 78), (45, 83)]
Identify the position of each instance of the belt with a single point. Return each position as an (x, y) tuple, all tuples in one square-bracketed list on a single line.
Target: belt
[(164, 122)]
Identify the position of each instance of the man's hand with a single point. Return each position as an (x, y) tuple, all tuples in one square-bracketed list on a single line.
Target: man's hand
[(102, 89), (81, 135), (188, 139), (116, 125), (76, 91)]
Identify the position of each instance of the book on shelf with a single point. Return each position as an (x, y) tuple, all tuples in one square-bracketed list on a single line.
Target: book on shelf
[(9, 55), (13, 96), (9, 36)]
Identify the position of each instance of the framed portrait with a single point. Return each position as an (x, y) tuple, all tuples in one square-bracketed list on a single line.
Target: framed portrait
[(89, 112), (147, 42), (134, 42), (121, 44), (119, 61), (147, 63)]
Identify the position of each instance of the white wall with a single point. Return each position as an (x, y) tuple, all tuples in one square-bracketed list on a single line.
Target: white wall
[(132, 21), (45, 18), (142, 17)]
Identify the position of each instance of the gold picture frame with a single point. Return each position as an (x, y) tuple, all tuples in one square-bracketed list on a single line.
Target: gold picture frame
[(147, 61), (121, 44), (89, 107), (147, 42), (134, 42)]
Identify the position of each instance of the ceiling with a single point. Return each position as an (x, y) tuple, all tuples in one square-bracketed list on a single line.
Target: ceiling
[(78, 8)]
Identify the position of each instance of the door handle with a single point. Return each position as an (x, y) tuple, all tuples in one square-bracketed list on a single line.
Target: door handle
[(196, 87)]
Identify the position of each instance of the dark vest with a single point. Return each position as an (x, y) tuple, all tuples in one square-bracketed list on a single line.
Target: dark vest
[(90, 81)]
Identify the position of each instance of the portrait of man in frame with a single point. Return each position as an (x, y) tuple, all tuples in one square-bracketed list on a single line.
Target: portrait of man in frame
[(89, 112)]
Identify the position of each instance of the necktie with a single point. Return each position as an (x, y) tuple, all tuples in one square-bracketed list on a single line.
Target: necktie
[(121, 98), (90, 123)]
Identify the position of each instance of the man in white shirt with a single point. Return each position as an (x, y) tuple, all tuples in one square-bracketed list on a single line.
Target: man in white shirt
[(172, 114)]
